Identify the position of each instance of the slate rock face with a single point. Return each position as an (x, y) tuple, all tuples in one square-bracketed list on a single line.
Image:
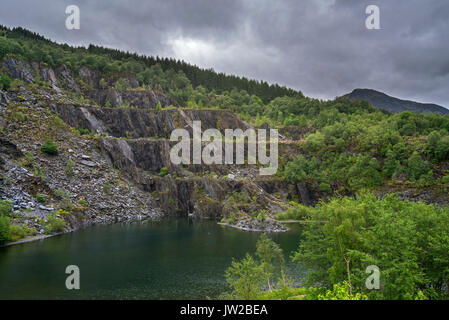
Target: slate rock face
[(19, 69), (119, 173)]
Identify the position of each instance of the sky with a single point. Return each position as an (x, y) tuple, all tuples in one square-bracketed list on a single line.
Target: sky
[(321, 47)]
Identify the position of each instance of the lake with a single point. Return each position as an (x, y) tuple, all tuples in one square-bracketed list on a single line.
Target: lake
[(172, 258)]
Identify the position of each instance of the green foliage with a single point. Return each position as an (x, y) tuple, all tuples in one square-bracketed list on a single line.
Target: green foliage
[(5, 207), (301, 170), (298, 212), (107, 188), (69, 168), (5, 232), (17, 232), (408, 241), (419, 170), (245, 278), (54, 224), (341, 291), (5, 82), (163, 172), (121, 84), (66, 200), (83, 202), (248, 277), (49, 148), (437, 146), (59, 193), (27, 230), (40, 198), (286, 293), (271, 258)]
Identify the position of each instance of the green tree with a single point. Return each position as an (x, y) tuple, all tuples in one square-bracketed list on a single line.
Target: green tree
[(408, 241), (245, 278), (271, 257), (5, 233), (5, 82)]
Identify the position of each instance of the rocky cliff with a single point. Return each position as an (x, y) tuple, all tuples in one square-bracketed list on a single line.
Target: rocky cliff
[(113, 162)]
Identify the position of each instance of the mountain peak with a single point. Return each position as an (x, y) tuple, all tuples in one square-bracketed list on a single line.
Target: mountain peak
[(392, 104)]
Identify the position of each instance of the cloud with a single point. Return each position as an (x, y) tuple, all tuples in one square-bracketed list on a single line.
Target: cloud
[(318, 46)]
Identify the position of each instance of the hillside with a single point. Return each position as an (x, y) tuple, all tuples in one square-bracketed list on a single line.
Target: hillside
[(395, 105)]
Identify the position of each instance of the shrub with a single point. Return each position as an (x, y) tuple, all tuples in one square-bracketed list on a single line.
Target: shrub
[(49, 148), (341, 291), (5, 232), (121, 84), (28, 161), (59, 193), (5, 82), (69, 167), (5, 207), (40, 198), (83, 131), (245, 278), (28, 230), (83, 203), (299, 212), (17, 232), (66, 203), (54, 224), (107, 188), (163, 172)]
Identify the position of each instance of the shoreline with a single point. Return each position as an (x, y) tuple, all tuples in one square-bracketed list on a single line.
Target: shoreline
[(45, 236), (33, 238), (250, 229)]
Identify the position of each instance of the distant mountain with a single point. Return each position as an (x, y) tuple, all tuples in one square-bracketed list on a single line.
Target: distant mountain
[(395, 105)]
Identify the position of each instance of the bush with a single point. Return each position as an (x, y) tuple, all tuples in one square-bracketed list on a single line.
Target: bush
[(28, 230), (59, 194), (40, 198), (83, 131), (17, 232), (69, 168), (50, 148), (163, 172), (5, 232), (5, 207), (341, 291), (54, 224), (107, 189), (299, 212), (246, 278), (5, 82)]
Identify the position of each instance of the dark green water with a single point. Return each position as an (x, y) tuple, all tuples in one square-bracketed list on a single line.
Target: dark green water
[(167, 259)]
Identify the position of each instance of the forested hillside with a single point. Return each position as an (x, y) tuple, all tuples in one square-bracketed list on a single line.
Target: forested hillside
[(385, 102), (35, 47)]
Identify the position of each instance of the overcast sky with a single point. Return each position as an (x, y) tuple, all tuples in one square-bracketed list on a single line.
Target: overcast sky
[(320, 47)]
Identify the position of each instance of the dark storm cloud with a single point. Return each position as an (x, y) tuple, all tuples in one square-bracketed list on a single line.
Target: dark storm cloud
[(318, 46)]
